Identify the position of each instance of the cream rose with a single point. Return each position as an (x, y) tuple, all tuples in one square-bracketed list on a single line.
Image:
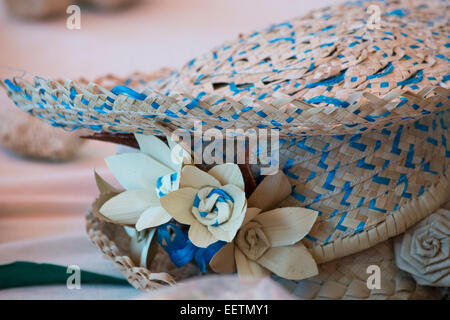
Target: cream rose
[(213, 204), (269, 240)]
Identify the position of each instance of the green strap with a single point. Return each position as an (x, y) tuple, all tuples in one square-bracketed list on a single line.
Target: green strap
[(24, 273)]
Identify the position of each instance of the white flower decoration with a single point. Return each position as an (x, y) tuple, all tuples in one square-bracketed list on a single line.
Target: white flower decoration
[(146, 176), (212, 203)]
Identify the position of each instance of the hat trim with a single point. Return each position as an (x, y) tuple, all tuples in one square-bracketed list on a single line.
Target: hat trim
[(394, 224)]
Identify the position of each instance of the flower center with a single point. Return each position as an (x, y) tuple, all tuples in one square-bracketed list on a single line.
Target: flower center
[(428, 247), (252, 241), (212, 206), (166, 184)]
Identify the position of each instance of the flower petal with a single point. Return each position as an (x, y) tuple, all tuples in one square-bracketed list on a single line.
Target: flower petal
[(131, 232), (200, 236), (103, 186), (228, 173), (127, 206), (152, 217), (157, 149), (247, 267), (223, 261), (290, 262), (136, 170), (171, 140), (250, 214), (180, 151), (140, 250), (193, 177), (222, 234), (286, 226), (99, 202), (178, 204), (148, 249), (270, 192)]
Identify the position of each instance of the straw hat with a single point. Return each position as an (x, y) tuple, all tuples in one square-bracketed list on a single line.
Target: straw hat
[(362, 111)]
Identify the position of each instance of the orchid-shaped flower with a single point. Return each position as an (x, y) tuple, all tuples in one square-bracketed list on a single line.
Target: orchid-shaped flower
[(268, 240), (146, 176), (212, 203)]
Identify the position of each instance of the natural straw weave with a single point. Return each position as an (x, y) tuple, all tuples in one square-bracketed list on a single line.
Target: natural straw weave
[(363, 114), (346, 279), (101, 234), (370, 188)]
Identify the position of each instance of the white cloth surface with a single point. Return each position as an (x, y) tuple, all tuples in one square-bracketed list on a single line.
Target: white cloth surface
[(57, 292), (42, 205), (65, 250), (42, 209)]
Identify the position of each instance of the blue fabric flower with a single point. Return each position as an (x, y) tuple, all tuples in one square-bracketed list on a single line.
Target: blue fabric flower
[(181, 250)]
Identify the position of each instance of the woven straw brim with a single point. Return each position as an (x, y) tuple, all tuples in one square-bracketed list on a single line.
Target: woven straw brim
[(73, 105), (394, 224)]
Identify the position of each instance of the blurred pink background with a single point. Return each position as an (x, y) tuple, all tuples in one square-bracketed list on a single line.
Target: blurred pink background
[(150, 35)]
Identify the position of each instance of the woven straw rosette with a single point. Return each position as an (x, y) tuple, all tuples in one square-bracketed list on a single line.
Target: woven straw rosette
[(362, 115)]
